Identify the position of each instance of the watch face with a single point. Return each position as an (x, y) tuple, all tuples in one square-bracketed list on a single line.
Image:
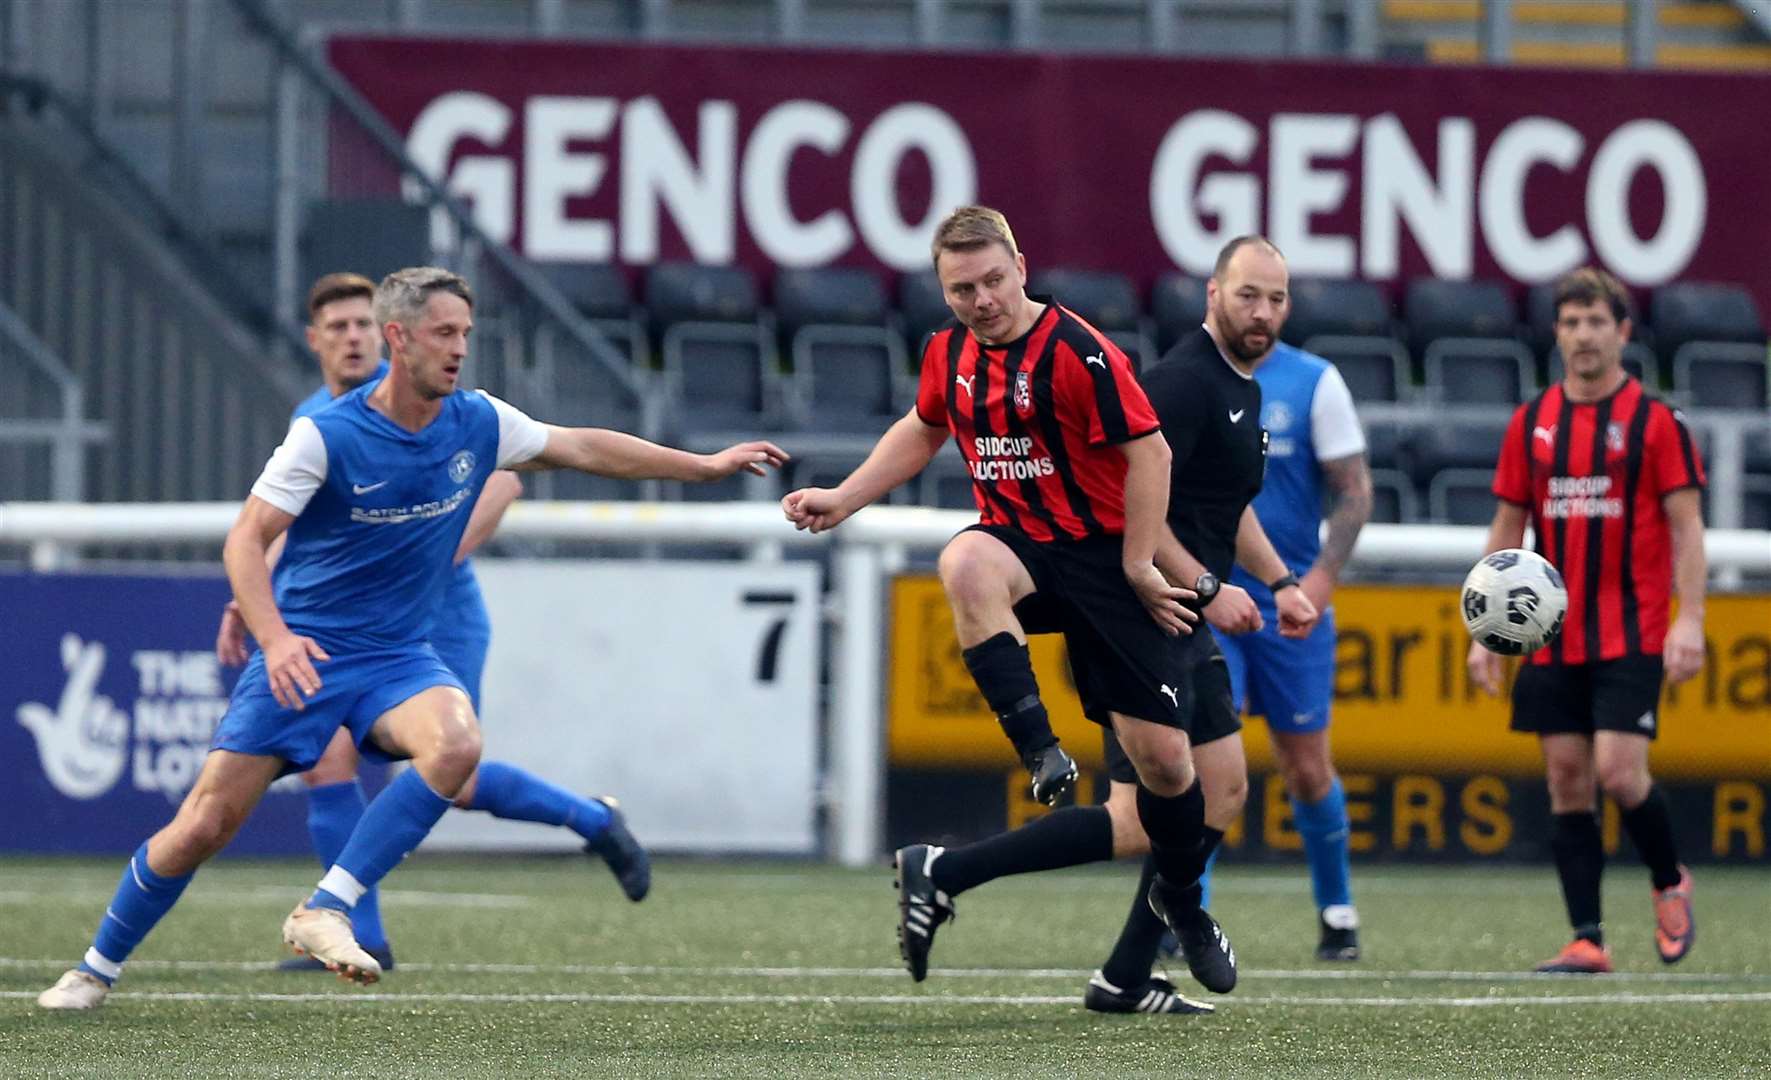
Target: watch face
[(1206, 586)]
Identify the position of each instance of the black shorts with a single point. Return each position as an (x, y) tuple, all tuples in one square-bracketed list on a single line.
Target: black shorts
[(1579, 699), (1122, 661), (1209, 705)]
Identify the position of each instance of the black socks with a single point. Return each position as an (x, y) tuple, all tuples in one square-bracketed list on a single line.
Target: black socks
[(1003, 670), (1068, 837), (1580, 860), (1650, 826)]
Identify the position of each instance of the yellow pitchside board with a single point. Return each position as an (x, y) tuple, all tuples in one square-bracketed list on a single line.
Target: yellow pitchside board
[(1403, 703)]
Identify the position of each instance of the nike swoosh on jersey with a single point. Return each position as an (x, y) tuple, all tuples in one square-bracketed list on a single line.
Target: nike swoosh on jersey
[(364, 489), (1236, 417)]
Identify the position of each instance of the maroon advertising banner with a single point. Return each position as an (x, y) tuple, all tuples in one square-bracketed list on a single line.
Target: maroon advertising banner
[(588, 151)]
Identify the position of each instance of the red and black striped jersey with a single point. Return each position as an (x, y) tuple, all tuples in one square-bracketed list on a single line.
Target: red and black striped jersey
[(1037, 420), (1592, 476)]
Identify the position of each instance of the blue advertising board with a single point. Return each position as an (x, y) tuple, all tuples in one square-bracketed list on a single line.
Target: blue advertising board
[(109, 692)]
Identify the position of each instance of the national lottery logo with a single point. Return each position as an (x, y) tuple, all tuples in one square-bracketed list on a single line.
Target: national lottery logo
[(461, 466), (85, 742)]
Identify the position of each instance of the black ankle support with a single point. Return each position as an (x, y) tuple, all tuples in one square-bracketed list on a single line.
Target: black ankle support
[(1003, 670)]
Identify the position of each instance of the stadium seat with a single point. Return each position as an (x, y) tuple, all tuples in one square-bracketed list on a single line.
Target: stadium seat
[(600, 293), (1429, 449), (1755, 503), (847, 378), (720, 365), (1721, 375), (1757, 451), (1689, 311), (1638, 359), (1479, 371), (678, 292), (834, 295), (1177, 304), (1433, 308), (1375, 368), (1107, 300), (1393, 500), (922, 307), (1383, 443), (946, 483), (1343, 308), (372, 237), (1462, 497)]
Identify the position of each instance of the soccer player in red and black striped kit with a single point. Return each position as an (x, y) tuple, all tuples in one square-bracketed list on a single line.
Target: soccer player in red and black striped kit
[(1610, 482), (1071, 476)]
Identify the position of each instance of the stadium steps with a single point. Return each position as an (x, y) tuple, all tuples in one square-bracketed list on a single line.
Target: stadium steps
[(1711, 35)]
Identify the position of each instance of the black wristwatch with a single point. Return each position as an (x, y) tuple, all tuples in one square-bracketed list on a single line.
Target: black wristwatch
[(1206, 587), (1286, 582)]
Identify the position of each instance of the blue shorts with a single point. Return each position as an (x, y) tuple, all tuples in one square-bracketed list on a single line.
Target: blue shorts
[(1289, 682), (356, 689), (463, 631)]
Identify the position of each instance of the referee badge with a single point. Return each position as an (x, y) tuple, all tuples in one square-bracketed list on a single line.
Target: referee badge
[(1023, 394)]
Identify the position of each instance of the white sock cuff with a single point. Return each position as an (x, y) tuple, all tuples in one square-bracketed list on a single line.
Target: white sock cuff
[(102, 964), (340, 883)]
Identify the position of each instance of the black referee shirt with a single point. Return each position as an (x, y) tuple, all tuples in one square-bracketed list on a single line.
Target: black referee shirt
[(1211, 416)]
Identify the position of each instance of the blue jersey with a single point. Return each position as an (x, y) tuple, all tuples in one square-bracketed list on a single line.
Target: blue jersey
[(371, 551), (462, 598), (1309, 418)]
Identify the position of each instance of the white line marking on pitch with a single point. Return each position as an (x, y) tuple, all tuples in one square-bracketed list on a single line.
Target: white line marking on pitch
[(348, 997), (620, 970), (254, 893)]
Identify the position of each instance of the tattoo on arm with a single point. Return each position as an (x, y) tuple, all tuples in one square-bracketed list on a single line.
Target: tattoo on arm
[(1350, 480)]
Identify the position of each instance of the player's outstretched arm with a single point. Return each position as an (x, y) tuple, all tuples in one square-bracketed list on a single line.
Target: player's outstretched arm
[(1683, 652), (230, 637), (629, 457), (1507, 530), (288, 658), (502, 488), (904, 450), (1255, 553)]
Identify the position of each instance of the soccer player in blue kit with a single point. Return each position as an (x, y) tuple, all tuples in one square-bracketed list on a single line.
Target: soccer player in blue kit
[(374, 493), (1315, 441), (343, 335)]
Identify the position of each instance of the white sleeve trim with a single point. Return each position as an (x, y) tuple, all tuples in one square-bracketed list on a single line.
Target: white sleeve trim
[(520, 436), (1334, 425), (295, 471)]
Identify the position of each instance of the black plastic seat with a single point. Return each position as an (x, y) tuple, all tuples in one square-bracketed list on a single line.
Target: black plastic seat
[(1721, 375), (922, 307), (1434, 308), (1393, 499), (1462, 496), (1105, 299), (1375, 368), (678, 292), (1339, 307), (1688, 311), (1479, 371), (831, 295), (720, 365), (847, 378), (1177, 305)]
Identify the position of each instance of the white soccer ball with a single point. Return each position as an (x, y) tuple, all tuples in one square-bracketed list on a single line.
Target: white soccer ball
[(1514, 601)]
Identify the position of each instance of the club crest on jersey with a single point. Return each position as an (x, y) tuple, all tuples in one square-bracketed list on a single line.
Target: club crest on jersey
[(1614, 437), (1276, 417), (1023, 393), (461, 466)]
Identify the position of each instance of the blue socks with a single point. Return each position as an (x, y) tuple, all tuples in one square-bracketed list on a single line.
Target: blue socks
[(333, 811), (399, 818), (1324, 828), (143, 898), (505, 791)]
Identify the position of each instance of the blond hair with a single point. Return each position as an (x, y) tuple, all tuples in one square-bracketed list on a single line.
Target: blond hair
[(970, 228)]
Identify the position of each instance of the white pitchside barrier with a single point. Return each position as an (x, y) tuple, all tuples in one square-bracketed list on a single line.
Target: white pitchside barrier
[(868, 548)]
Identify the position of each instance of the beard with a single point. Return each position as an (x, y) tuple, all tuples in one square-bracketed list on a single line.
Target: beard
[(1236, 339)]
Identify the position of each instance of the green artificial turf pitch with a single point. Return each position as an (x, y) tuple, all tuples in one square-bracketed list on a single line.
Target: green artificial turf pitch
[(537, 967)]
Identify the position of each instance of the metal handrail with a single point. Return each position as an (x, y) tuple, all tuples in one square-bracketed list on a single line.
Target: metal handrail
[(341, 93), (182, 235), (68, 436)]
